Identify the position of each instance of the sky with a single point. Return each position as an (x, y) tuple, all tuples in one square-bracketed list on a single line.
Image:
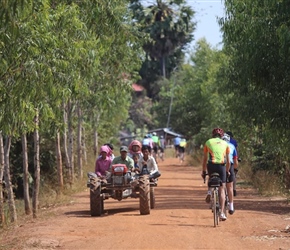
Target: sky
[(206, 15)]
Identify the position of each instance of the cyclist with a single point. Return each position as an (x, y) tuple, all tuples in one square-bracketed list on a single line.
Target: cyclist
[(151, 143), (181, 149), (234, 165), (145, 140), (155, 140), (235, 143), (161, 147), (216, 151), (232, 140), (176, 145)]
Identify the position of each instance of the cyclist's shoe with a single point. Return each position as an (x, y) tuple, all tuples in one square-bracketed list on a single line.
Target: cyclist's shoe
[(235, 192), (207, 199), (223, 217), (231, 211)]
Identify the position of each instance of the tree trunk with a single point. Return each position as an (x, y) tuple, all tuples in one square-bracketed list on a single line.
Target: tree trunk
[(84, 148), (35, 200), (7, 178), (25, 176), (65, 147), (2, 217), (79, 143), (70, 143), (96, 136), (59, 162)]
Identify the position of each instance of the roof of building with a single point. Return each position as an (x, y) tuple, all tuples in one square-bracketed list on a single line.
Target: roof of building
[(137, 88), (165, 131)]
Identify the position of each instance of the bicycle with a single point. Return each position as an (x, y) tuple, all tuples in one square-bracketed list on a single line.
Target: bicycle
[(235, 179), (215, 182), (161, 154)]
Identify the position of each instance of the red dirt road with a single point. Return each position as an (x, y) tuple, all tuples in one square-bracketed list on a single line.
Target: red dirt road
[(181, 220)]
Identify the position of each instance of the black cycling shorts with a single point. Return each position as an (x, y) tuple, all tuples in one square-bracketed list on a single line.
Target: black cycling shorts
[(232, 175), (181, 150), (217, 168)]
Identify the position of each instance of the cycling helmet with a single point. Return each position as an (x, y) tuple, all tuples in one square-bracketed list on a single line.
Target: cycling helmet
[(226, 137), (161, 136), (218, 131), (230, 133), (154, 133)]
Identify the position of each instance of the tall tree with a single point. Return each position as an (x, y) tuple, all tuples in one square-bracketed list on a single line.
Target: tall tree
[(168, 27), (256, 35), (2, 217), (26, 195), (256, 38)]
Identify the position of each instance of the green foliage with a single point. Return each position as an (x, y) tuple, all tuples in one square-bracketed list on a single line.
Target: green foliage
[(52, 52), (167, 27), (256, 38), (197, 103)]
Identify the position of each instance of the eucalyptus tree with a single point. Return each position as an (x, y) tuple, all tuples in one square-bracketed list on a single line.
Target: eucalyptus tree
[(12, 14), (255, 33), (2, 217), (58, 62), (168, 27), (256, 36)]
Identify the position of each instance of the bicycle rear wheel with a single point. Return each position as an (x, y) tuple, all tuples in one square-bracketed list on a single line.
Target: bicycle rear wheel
[(215, 209)]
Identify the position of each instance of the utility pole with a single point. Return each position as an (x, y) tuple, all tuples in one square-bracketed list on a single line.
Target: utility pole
[(171, 99)]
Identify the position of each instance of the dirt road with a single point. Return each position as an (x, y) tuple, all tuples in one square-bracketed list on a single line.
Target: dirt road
[(181, 220)]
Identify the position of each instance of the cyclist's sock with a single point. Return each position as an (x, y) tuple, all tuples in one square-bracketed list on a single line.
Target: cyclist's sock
[(231, 205)]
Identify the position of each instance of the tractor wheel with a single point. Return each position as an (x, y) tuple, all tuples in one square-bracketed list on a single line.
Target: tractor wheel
[(96, 200), (144, 195)]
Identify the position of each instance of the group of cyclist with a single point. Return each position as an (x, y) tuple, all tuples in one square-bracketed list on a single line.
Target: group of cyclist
[(220, 156), (135, 157), (156, 144)]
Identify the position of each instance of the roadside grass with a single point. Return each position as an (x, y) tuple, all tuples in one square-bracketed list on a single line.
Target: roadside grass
[(265, 183), (49, 197), (169, 152), (195, 159)]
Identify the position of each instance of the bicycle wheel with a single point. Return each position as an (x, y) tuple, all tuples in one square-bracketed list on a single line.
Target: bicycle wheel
[(215, 209)]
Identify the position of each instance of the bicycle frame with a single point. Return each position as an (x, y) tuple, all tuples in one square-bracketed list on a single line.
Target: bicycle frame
[(215, 201)]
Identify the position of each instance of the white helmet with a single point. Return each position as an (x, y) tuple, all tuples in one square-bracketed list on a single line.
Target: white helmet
[(154, 133), (226, 137)]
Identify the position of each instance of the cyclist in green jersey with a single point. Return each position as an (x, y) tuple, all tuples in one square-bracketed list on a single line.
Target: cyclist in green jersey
[(216, 156)]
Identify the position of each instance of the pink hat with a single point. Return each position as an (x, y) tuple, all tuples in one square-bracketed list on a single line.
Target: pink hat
[(104, 149)]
